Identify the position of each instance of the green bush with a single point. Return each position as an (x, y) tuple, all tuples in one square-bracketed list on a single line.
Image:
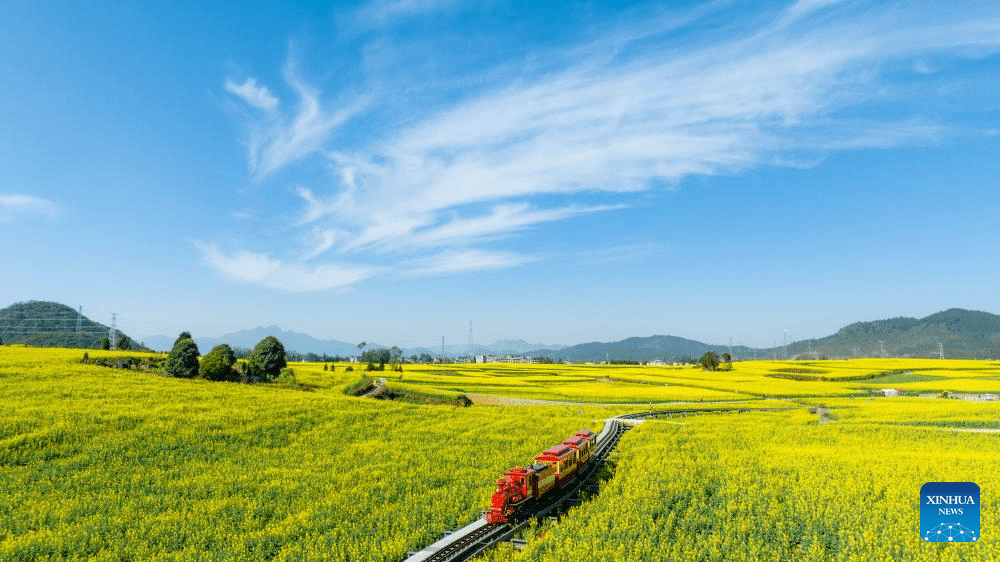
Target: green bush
[(267, 359), (286, 377), (217, 365), (183, 360)]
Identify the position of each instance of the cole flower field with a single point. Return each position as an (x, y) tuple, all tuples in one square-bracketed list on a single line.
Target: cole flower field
[(112, 464)]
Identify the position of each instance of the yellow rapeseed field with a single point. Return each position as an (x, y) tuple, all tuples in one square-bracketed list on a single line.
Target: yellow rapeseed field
[(121, 465), (107, 464), (780, 486), (747, 380)]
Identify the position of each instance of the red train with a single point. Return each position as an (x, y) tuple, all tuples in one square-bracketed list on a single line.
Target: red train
[(552, 468)]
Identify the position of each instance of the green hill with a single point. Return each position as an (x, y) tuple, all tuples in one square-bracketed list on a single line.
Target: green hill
[(961, 333), (50, 324)]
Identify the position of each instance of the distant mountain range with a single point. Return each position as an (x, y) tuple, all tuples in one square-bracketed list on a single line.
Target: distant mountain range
[(247, 339), (304, 343), (956, 332), (959, 333)]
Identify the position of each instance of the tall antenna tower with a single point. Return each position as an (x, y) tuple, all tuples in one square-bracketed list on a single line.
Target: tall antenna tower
[(940, 350), (112, 338)]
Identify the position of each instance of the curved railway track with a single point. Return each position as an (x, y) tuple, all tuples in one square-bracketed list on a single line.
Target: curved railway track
[(478, 535)]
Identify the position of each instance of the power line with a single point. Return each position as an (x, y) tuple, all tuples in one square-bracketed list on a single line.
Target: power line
[(84, 332)]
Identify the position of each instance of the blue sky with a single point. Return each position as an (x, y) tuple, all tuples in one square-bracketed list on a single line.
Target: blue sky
[(558, 172)]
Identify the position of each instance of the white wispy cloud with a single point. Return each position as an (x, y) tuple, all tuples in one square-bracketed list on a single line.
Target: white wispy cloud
[(381, 12), (13, 205), (612, 125), (257, 96), (278, 139), (458, 261), (260, 269), (610, 120)]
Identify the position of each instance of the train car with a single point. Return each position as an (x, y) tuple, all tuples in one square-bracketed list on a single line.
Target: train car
[(552, 468)]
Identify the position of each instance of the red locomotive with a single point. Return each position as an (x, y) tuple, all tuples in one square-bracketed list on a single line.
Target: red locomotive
[(552, 468)]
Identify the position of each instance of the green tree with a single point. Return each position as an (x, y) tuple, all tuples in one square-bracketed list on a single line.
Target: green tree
[(380, 355), (125, 343), (217, 365), (185, 335), (105, 343), (183, 360), (267, 359), (709, 361)]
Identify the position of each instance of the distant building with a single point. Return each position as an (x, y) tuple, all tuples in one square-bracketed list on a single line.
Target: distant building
[(510, 359), (974, 397), (889, 392)]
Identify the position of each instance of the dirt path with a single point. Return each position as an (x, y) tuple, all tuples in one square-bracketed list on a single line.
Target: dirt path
[(505, 401)]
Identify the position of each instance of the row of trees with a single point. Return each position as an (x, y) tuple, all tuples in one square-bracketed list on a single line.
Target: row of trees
[(265, 362)]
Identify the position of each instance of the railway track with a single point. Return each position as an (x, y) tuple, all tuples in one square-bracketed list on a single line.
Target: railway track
[(476, 537)]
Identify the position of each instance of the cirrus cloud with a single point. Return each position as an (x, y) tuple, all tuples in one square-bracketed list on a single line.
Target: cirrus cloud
[(606, 119), (262, 270), (13, 205)]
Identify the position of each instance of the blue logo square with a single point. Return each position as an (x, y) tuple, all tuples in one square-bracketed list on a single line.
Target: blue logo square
[(949, 512)]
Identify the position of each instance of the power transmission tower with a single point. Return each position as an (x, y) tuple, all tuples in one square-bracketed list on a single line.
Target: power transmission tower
[(112, 337), (881, 347), (784, 345), (940, 350), (472, 357), (79, 320), (442, 349)]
